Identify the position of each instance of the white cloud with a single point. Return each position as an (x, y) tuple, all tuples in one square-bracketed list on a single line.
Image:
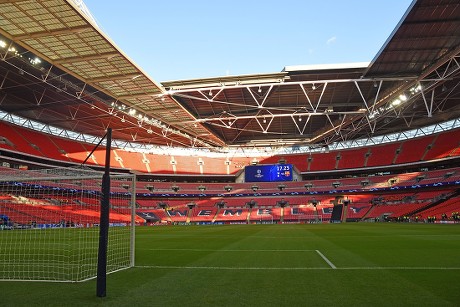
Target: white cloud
[(331, 40)]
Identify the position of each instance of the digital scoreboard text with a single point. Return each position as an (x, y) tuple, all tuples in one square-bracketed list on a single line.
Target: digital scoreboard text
[(268, 173)]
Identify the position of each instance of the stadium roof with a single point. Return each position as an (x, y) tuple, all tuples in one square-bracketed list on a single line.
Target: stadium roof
[(58, 68)]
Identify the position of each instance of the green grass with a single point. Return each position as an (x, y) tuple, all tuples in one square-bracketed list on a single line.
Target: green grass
[(273, 265)]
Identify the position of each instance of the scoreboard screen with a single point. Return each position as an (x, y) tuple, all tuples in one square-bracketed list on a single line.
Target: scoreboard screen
[(268, 173)]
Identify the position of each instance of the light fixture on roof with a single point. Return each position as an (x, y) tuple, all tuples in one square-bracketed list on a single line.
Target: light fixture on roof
[(375, 83), (396, 102), (313, 86), (416, 89), (2, 44), (300, 118), (264, 120), (259, 90), (210, 93), (123, 119), (35, 61), (132, 112), (403, 97)]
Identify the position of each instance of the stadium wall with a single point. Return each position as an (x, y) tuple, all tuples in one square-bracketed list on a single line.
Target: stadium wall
[(51, 149)]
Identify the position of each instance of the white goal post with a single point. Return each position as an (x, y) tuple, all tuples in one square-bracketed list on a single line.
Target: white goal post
[(311, 219), (49, 224)]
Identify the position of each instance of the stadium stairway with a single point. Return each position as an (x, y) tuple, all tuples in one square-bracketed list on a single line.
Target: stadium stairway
[(217, 214), (336, 213), (344, 213), (189, 216), (367, 213)]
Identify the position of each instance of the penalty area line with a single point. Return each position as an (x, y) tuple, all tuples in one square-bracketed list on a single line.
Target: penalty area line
[(230, 250), (400, 268), (288, 269), (327, 260), (225, 268)]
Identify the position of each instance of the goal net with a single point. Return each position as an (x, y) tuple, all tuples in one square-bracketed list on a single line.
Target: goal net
[(263, 219), (49, 224), (305, 219)]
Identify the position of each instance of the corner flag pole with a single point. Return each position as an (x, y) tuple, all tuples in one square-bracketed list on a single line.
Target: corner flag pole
[(104, 222)]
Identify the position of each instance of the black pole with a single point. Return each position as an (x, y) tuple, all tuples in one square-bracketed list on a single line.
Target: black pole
[(104, 222)]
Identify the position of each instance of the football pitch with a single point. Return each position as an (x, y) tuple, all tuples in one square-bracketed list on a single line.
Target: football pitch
[(272, 265)]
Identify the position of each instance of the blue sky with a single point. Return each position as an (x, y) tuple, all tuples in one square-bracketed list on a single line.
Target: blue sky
[(175, 40)]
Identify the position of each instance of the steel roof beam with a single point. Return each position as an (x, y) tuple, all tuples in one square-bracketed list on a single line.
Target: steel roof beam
[(89, 57), (127, 77), (173, 91), (76, 29)]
